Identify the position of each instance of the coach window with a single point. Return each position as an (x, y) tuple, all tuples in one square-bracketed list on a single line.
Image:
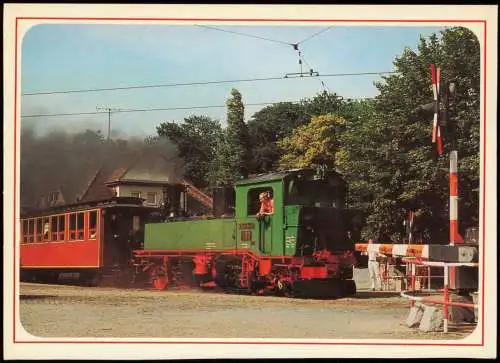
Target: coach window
[(24, 232), (57, 228), (39, 230), (46, 229), (72, 226), (61, 227), (24, 227), (93, 224), (31, 230), (53, 228), (79, 225)]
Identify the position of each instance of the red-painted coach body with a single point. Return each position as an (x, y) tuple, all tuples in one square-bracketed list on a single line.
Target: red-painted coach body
[(83, 238)]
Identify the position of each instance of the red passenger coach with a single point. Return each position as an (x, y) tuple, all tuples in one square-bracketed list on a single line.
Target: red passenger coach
[(84, 240)]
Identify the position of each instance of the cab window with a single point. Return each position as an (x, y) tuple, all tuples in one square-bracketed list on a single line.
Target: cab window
[(253, 203)]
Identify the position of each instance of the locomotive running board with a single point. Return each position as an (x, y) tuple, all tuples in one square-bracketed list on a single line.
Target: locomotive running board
[(443, 253)]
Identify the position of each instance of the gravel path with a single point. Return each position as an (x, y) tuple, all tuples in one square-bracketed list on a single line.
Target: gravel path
[(71, 311)]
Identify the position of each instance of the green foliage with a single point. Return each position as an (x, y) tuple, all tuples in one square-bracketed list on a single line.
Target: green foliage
[(267, 126), (388, 157), (221, 168), (197, 140), (322, 103), (312, 145), (277, 121), (232, 158)]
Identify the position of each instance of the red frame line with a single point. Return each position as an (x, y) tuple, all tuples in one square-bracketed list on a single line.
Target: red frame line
[(450, 21), (257, 20)]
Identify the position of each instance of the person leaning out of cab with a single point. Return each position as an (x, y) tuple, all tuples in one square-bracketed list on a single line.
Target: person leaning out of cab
[(266, 205)]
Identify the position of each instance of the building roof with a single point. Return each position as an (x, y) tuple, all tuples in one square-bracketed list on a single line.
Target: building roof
[(96, 188), (96, 183)]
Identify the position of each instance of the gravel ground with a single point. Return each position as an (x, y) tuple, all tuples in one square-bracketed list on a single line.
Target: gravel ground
[(72, 311)]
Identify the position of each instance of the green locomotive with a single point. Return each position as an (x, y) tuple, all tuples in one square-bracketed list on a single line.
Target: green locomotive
[(306, 247)]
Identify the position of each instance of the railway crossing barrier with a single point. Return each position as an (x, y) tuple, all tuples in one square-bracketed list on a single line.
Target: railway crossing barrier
[(453, 261)]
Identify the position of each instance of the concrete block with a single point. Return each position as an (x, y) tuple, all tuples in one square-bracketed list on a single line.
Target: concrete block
[(475, 299), (415, 315), (459, 314), (432, 320)]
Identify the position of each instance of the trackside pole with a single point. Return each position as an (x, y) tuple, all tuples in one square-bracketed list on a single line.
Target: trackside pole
[(446, 299), (455, 237)]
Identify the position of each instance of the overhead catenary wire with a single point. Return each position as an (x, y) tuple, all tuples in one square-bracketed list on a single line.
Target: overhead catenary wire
[(313, 35), (160, 109), (301, 55), (150, 109), (245, 34), (294, 45), (196, 83)]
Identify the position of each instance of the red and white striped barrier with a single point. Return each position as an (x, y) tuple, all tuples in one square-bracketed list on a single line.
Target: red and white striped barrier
[(399, 250)]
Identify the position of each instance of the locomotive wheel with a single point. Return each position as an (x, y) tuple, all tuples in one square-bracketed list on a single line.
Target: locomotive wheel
[(160, 282), (284, 288), (251, 283)]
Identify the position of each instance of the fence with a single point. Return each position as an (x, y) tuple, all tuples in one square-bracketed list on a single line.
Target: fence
[(399, 276)]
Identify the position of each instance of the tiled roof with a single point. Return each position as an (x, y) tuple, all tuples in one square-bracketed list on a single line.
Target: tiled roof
[(116, 175), (97, 188)]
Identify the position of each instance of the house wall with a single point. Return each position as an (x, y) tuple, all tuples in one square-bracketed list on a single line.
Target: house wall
[(127, 190)]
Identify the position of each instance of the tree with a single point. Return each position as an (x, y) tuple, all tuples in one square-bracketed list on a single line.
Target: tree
[(221, 167), (312, 145), (268, 125), (232, 158), (322, 103), (277, 121), (389, 158), (237, 134), (196, 139)]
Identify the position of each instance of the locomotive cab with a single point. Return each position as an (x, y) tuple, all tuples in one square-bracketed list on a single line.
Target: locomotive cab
[(317, 204), (310, 214)]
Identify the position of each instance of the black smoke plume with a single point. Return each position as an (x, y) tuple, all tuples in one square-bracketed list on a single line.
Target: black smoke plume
[(66, 161)]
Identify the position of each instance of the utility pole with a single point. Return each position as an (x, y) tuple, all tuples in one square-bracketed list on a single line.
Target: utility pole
[(108, 109)]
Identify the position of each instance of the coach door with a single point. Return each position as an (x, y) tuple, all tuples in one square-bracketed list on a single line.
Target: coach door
[(116, 230)]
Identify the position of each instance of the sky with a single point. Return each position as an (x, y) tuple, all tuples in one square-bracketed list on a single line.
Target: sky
[(61, 57)]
